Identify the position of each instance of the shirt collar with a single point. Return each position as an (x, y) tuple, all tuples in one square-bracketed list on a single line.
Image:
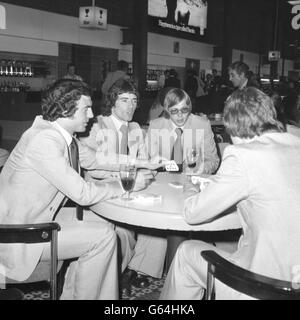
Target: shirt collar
[(244, 84), (63, 131), (175, 127), (117, 122)]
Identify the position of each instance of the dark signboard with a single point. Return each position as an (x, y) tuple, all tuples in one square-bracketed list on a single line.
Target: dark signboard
[(179, 18)]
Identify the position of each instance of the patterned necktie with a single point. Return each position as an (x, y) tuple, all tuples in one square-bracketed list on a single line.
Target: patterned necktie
[(124, 140), (74, 155), (177, 152)]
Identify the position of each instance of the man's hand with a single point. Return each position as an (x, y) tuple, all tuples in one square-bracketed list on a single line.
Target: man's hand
[(190, 189), (143, 179), (153, 164)]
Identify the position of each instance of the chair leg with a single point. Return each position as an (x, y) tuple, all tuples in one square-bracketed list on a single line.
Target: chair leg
[(210, 284), (53, 276)]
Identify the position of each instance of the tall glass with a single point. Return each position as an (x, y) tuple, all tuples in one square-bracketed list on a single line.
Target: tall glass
[(193, 156), (127, 176)]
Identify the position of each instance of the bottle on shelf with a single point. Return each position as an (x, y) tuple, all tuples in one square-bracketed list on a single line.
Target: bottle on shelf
[(12, 68)]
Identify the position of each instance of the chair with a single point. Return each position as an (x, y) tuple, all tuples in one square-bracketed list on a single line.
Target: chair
[(35, 233), (244, 281)]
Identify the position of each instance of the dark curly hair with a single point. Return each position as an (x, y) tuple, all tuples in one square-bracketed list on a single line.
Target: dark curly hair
[(119, 87), (60, 99)]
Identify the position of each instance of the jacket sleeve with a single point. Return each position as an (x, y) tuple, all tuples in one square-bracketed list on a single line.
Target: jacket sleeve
[(229, 186), (211, 158), (46, 156), (95, 152), (106, 83)]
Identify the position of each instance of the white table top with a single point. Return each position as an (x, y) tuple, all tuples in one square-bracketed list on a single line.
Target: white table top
[(163, 214)]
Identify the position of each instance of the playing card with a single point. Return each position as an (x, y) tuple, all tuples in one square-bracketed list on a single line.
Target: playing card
[(171, 166)]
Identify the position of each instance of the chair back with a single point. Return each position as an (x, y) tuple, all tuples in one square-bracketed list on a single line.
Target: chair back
[(246, 282), (35, 233)]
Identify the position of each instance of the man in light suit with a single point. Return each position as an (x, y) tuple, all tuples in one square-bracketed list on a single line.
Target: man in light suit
[(196, 132), (112, 77), (39, 175), (161, 141), (255, 174), (105, 138), (238, 74)]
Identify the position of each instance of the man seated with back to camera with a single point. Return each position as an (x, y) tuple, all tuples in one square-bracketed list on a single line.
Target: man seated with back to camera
[(255, 173), (41, 173), (106, 139)]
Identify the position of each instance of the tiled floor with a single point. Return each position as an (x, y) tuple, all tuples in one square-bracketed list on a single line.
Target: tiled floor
[(40, 291)]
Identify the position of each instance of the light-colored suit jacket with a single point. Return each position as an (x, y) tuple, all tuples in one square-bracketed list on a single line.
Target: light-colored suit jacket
[(293, 129), (263, 178), (34, 182), (197, 132), (103, 139)]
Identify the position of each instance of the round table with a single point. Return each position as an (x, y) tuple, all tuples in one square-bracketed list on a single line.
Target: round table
[(166, 213)]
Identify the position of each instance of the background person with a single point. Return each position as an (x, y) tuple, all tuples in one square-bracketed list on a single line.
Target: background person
[(157, 108), (172, 80), (71, 73), (249, 178), (238, 74), (191, 86), (112, 77)]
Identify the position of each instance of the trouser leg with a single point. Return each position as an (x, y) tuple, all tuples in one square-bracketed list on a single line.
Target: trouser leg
[(149, 257), (187, 276), (94, 274), (126, 236), (128, 243)]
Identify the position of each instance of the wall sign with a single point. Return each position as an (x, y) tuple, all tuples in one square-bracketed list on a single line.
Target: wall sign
[(181, 16), (93, 17), (274, 55), (296, 11)]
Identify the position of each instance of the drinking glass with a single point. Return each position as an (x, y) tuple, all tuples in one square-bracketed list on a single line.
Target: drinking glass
[(127, 176), (192, 159)]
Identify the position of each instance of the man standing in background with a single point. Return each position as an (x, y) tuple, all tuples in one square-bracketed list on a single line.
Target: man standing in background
[(112, 77), (71, 74)]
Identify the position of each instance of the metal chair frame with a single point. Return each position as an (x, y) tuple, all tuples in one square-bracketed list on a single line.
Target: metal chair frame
[(35, 233), (247, 282)]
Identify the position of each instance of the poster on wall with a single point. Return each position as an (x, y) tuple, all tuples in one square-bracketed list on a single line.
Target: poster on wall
[(187, 17)]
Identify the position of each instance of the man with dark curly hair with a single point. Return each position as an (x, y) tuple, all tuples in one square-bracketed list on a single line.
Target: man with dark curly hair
[(40, 174)]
